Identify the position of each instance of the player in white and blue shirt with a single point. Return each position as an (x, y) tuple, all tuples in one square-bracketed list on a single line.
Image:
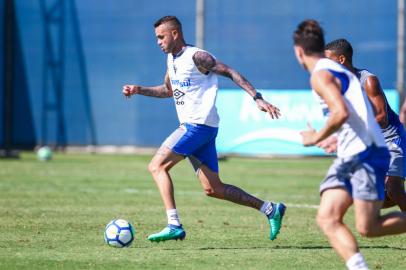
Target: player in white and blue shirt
[(358, 136), (358, 173), (191, 79), (341, 51)]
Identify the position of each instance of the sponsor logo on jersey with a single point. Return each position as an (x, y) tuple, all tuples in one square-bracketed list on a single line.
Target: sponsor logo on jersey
[(184, 83), (178, 95)]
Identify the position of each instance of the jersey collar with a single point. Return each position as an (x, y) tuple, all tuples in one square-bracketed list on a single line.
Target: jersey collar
[(180, 52)]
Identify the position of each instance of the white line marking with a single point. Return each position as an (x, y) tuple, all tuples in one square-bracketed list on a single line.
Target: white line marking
[(302, 205)]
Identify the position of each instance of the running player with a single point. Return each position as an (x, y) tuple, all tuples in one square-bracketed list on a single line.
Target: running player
[(358, 173), (191, 79), (341, 51)]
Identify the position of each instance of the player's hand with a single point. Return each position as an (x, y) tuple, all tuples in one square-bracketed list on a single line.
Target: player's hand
[(329, 144), (129, 90), (265, 106), (309, 136)]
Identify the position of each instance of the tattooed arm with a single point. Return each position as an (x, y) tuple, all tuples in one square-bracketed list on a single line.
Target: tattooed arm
[(206, 63), (160, 91)]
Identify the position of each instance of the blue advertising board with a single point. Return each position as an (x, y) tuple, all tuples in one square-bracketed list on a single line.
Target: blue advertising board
[(106, 46), (245, 130)]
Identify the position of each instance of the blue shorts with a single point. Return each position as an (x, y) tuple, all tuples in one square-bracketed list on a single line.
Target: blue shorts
[(197, 142), (362, 175)]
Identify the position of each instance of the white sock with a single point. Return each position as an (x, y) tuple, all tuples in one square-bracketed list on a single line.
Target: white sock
[(173, 217), (357, 262), (266, 208)]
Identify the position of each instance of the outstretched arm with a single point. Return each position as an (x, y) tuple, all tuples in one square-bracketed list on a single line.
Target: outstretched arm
[(206, 63), (160, 91)]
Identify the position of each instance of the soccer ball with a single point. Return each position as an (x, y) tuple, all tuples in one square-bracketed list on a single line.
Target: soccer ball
[(119, 233), (44, 153)]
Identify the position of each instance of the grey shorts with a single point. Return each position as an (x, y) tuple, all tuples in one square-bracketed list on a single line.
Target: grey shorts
[(362, 175), (397, 148)]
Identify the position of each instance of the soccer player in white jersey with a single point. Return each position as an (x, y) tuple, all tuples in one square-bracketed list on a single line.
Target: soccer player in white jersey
[(191, 79), (341, 51), (358, 173)]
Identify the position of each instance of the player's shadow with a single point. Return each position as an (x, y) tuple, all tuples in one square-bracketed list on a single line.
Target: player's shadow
[(329, 247), (264, 247), (298, 247), (384, 247)]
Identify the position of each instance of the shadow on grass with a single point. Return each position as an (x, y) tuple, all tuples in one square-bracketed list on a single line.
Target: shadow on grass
[(296, 247)]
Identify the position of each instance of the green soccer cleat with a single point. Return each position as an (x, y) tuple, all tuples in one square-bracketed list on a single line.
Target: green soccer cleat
[(171, 232), (275, 220)]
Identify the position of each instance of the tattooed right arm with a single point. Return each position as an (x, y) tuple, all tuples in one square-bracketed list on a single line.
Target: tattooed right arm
[(160, 91)]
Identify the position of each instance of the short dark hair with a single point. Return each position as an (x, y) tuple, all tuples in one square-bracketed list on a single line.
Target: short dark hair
[(174, 22), (341, 46), (310, 36)]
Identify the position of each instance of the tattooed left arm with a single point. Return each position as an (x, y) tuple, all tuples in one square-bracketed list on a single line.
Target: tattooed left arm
[(206, 63)]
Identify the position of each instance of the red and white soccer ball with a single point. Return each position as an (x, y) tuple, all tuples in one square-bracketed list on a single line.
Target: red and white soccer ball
[(119, 233)]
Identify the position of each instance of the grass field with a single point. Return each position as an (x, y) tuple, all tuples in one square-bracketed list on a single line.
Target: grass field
[(52, 216)]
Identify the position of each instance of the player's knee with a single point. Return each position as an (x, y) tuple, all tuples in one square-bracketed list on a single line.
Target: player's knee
[(366, 229), (209, 191), (216, 192), (327, 222), (321, 221), (154, 167)]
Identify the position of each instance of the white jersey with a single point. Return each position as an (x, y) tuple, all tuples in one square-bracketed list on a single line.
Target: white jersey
[(194, 93), (361, 129)]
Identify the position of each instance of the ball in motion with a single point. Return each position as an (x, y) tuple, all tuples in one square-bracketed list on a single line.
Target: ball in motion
[(119, 233), (44, 153)]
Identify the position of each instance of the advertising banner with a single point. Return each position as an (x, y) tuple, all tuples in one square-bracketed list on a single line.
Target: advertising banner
[(245, 130)]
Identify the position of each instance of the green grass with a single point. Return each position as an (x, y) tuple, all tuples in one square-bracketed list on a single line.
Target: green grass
[(52, 216)]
